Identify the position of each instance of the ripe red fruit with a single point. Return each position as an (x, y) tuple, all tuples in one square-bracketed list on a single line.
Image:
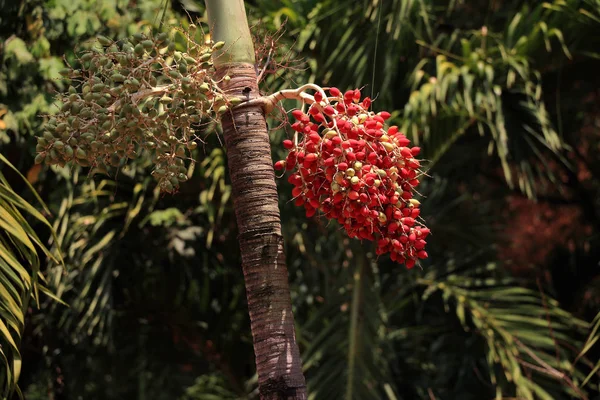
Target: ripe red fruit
[(345, 167), (312, 157), (406, 153), (314, 137), (297, 114), (279, 165)]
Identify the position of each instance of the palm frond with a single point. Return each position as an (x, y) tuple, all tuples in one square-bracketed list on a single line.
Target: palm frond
[(590, 342), (20, 277), (528, 337)]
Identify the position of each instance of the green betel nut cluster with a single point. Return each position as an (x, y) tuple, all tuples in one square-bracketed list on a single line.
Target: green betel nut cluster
[(132, 98)]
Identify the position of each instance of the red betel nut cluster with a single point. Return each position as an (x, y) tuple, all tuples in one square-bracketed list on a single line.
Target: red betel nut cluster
[(350, 167)]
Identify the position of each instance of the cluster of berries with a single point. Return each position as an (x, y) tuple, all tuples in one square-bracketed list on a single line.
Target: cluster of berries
[(135, 97), (353, 169)]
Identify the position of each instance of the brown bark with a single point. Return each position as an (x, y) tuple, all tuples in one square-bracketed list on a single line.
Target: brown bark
[(256, 206)]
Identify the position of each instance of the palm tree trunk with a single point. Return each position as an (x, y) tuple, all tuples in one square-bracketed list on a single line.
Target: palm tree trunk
[(255, 202)]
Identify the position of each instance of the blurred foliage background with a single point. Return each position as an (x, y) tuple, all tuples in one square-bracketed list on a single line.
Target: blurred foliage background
[(502, 95)]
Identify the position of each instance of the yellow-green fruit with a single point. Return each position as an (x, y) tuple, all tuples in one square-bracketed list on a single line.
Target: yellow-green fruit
[(104, 41), (68, 151), (218, 45), (80, 153)]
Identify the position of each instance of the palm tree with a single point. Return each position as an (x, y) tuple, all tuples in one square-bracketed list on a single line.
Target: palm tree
[(255, 202), (164, 293)]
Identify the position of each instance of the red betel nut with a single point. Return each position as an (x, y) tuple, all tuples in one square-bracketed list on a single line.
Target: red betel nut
[(350, 167)]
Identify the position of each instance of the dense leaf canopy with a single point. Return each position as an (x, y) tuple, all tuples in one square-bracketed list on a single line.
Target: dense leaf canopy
[(502, 96)]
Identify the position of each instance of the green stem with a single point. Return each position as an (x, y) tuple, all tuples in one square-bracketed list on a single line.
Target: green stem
[(354, 320), (235, 32)]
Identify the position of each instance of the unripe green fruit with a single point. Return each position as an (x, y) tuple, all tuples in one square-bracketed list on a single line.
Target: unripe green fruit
[(161, 37), (117, 78), (68, 151), (235, 101), (98, 87), (139, 49), (148, 44), (75, 108), (174, 74), (80, 153), (138, 37), (39, 158)]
